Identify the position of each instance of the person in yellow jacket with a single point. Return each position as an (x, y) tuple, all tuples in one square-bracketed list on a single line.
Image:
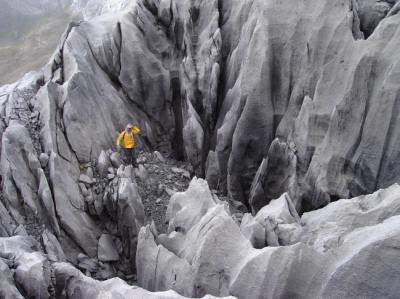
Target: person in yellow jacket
[(126, 142)]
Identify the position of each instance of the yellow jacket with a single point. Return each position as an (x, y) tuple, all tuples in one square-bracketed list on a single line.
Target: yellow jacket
[(128, 138)]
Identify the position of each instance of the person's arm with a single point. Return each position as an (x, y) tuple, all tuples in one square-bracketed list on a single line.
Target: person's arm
[(121, 135), (135, 130)]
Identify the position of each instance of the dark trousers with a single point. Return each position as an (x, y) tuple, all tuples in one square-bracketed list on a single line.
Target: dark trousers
[(128, 156)]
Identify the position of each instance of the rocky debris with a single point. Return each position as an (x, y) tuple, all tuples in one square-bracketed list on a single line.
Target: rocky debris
[(158, 182), (117, 198), (115, 201), (205, 242), (181, 171)]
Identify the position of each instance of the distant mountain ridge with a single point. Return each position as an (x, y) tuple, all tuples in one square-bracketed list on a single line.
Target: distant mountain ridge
[(33, 7), (88, 8), (30, 30)]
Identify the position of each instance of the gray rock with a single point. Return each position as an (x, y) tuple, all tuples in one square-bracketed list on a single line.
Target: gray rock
[(130, 216), (181, 171), (115, 159), (81, 286), (46, 199), (107, 251), (298, 107), (170, 191), (212, 170), (84, 189), (276, 173), (177, 170), (209, 236), (83, 178), (121, 171), (7, 285), (30, 273), (8, 225), (52, 247), (340, 218), (159, 156), (89, 173), (24, 184), (103, 163), (142, 173), (44, 159), (99, 205)]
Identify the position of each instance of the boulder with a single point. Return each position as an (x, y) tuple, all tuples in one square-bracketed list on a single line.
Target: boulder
[(25, 186), (52, 247), (280, 221), (253, 231), (85, 179), (32, 273), (44, 159), (182, 215), (115, 159), (8, 225), (159, 156), (103, 163), (130, 216), (7, 285), (107, 251), (142, 173)]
